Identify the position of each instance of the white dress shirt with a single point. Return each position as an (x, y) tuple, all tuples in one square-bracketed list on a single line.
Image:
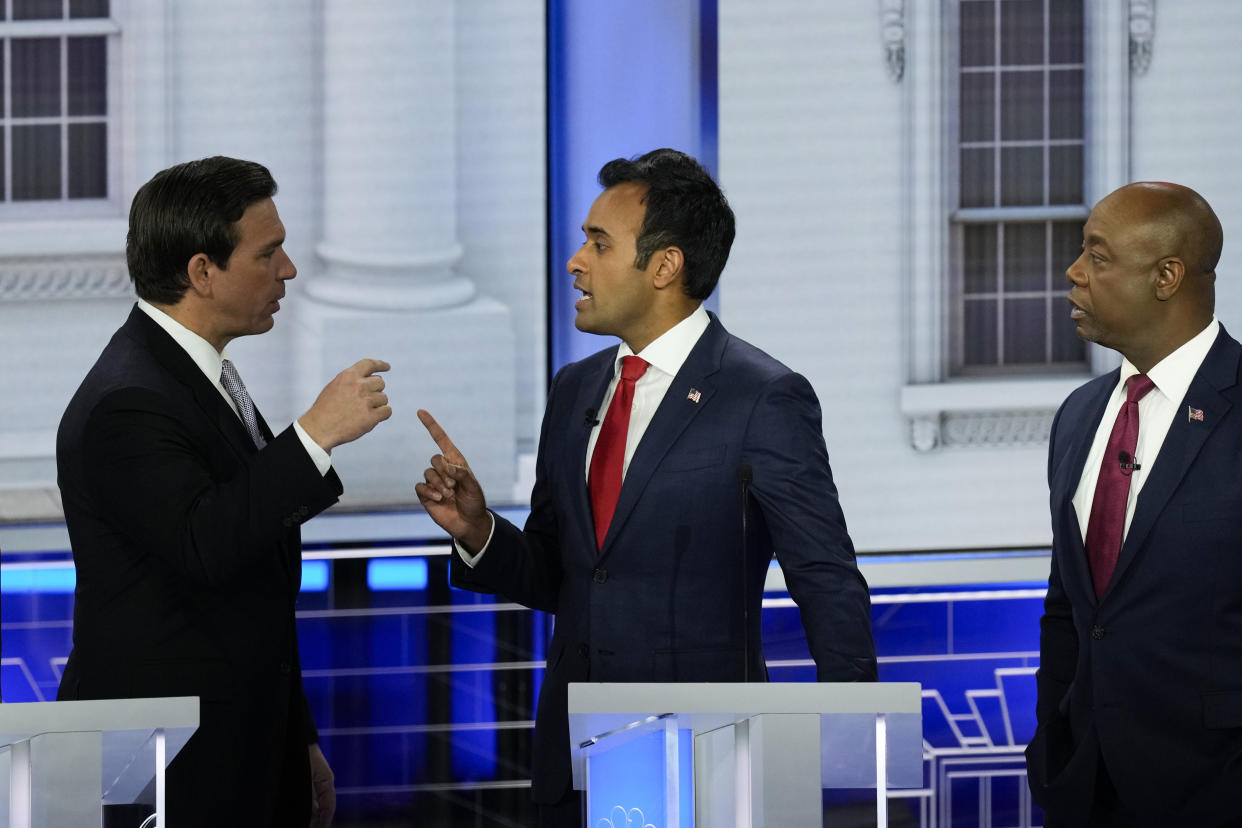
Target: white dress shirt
[(1171, 376), (665, 355), (209, 361)]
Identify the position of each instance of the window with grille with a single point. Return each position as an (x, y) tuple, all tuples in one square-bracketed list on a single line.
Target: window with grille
[(1020, 143), (59, 123)]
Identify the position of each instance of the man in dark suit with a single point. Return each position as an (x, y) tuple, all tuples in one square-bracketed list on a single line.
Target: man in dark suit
[(1140, 677), (634, 538), (184, 509)]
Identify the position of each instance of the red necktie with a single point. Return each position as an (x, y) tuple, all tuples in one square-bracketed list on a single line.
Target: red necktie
[(604, 481), (1106, 528)]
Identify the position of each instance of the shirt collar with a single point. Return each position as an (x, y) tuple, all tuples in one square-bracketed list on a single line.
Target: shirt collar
[(202, 352), (669, 350), (1173, 374)]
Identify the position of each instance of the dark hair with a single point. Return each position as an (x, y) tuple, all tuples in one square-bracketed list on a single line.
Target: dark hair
[(184, 210), (685, 209)]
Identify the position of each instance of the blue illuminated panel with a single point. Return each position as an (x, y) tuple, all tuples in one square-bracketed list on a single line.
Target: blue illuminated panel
[(397, 573)]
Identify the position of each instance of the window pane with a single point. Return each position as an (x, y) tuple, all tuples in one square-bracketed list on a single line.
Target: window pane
[(1066, 247), (88, 88), (1065, 175), (3, 150), (1022, 32), (88, 161), (1022, 106), (88, 8), (978, 107), (1022, 176), (1067, 345), (978, 178), (979, 332), (36, 76), (978, 33), (1026, 267), (1025, 331), (979, 263), (36, 162), (1065, 103), (38, 10), (1065, 31)]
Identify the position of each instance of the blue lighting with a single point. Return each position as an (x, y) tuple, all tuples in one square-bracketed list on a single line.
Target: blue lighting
[(314, 576), (55, 579), (397, 573)]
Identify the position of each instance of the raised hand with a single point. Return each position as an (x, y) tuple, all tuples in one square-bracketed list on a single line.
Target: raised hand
[(349, 406), (450, 492)]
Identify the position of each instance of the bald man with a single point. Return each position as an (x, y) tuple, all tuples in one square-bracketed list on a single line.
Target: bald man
[(1140, 678)]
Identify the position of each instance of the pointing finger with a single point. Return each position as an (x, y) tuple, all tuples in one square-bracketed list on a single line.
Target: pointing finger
[(441, 439)]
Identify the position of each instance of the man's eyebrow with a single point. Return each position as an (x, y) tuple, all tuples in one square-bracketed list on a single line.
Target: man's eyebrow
[(592, 230), (272, 245)]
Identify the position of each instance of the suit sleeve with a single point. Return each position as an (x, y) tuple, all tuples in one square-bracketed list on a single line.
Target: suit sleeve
[(794, 488), (156, 483), (1058, 641), (522, 565)]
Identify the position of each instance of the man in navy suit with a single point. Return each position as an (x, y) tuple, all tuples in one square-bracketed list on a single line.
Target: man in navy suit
[(183, 508), (1140, 677), (655, 582)]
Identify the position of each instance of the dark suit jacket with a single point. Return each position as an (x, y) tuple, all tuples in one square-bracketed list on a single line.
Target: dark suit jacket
[(188, 554), (663, 600), (1150, 676)]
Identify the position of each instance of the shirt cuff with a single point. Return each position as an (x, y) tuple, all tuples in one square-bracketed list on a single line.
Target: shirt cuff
[(471, 560), (321, 459)]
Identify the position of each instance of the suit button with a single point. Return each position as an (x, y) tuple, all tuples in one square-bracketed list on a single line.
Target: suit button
[(285, 669), (583, 650), (599, 576), (1097, 632)]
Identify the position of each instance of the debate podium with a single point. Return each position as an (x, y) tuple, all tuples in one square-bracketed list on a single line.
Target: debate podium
[(61, 761), (739, 754)]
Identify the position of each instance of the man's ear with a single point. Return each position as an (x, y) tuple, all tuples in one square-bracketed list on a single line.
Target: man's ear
[(1170, 272), (670, 270), (201, 271)]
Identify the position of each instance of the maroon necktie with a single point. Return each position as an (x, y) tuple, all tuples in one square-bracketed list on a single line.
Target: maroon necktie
[(1106, 528), (604, 481)]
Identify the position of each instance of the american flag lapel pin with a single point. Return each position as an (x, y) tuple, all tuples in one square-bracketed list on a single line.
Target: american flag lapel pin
[(1193, 413), (695, 395)]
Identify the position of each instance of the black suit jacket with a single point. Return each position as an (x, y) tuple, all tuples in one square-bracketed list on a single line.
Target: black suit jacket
[(188, 555), (663, 600), (1149, 677)]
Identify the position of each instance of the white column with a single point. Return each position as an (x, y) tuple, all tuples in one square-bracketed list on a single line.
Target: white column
[(390, 183), (386, 284)]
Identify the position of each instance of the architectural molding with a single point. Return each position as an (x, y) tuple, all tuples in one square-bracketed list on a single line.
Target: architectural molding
[(1142, 33), (893, 33), (57, 279)]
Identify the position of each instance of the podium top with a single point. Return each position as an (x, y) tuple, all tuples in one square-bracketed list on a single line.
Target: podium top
[(744, 699), (28, 719)]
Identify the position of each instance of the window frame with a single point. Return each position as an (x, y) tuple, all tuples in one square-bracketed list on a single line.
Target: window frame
[(988, 410)]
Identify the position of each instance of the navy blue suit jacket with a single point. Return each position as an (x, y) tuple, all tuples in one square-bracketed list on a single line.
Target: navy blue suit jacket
[(188, 555), (1149, 677), (663, 599)]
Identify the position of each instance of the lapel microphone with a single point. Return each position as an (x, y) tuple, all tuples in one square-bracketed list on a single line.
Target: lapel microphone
[(590, 420), (1128, 464)]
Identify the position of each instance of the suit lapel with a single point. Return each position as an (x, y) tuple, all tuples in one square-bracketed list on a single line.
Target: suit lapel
[(1065, 484), (590, 396), (1183, 443), (178, 363), (674, 413)]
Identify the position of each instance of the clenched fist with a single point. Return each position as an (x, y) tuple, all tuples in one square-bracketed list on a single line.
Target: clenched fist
[(349, 406)]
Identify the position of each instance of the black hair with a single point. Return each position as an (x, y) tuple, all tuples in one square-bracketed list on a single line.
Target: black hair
[(685, 209), (185, 210)]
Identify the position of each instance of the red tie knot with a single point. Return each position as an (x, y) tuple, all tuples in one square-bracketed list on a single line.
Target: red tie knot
[(633, 367), (1137, 387)]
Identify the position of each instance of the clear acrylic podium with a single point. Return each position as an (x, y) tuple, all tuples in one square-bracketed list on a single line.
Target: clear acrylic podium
[(61, 761), (722, 754)]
